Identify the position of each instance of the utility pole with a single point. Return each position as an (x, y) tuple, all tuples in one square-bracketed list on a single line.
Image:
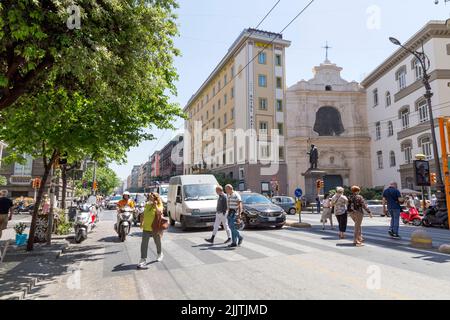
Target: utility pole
[(52, 203), (94, 178)]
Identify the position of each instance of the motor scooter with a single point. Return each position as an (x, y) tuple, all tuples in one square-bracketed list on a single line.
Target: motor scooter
[(434, 218), (411, 215), (138, 213), (85, 221), (124, 221)]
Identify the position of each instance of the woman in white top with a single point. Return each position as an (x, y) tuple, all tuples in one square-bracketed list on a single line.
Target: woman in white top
[(326, 212), (339, 202)]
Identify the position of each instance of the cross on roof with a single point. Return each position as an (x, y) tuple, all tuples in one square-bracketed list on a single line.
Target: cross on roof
[(326, 50)]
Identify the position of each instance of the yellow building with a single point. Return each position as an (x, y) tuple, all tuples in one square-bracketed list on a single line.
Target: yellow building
[(242, 100)]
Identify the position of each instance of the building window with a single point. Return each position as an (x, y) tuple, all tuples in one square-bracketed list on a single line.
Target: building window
[(225, 119), (241, 172), (24, 169), (263, 127), (406, 148), (422, 107), (281, 153), (278, 60), (404, 115), (390, 129), (262, 80), (265, 151), (218, 104), (377, 131), (328, 88), (225, 99), (392, 159), (262, 103), (279, 83), (375, 97), (400, 76), (280, 105), (232, 92), (232, 113), (232, 72), (262, 57), (425, 142), (380, 159), (214, 91), (388, 99), (214, 109), (417, 67), (225, 80), (280, 129), (207, 115), (218, 123)]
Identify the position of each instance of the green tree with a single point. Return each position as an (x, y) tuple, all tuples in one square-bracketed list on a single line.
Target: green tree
[(107, 180), (3, 181), (123, 50)]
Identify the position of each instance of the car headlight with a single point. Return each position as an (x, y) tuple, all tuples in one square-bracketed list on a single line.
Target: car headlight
[(253, 213)]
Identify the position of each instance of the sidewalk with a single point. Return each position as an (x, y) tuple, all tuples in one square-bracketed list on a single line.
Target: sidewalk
[(22, 270)]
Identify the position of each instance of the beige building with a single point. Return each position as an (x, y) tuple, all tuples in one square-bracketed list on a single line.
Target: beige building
[(246, 91), (330, 113)]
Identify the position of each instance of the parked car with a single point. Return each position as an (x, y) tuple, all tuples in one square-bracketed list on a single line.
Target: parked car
[(163, 191), (287, 203), (192, 200), (261, 212), (375, 206), (112, 203)]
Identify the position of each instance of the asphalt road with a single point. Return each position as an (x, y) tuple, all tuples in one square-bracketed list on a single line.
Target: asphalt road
[(271, 264)]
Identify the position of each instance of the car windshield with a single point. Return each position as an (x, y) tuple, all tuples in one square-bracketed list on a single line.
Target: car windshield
[(163, 191), (254, 199), (200, 192)]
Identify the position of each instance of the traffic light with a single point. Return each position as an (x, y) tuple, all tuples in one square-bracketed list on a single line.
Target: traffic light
[(319, 184), (433, 178), (94, 185), (36, 183), (322, 184)]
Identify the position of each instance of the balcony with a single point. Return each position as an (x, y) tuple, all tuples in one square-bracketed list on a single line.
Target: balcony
[(20, 180)]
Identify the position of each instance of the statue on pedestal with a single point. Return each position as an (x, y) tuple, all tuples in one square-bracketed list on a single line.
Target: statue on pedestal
[(313, 157)]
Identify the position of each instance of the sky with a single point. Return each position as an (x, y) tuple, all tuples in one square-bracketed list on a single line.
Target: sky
[(356, 30)]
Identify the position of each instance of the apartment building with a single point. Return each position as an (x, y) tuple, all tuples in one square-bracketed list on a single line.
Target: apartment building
[(154, 161), (233, 113), (399, 121), (171, 158)]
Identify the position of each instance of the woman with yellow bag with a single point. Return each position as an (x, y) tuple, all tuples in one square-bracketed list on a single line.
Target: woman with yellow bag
[(153, 224)]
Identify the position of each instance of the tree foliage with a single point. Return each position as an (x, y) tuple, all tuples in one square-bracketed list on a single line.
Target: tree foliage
[(107, 180)]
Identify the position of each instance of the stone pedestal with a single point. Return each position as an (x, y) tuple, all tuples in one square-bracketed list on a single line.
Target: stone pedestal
[(311, 177)]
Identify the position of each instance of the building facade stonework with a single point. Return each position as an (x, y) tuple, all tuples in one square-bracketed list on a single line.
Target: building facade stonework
[(330, 113)]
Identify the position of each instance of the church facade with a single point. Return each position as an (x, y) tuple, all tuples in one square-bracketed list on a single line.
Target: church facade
[(330, 113)]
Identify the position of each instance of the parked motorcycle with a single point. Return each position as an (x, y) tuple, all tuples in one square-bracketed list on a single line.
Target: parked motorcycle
[(23, 208), (433, 218), (85, 221), (124, 221), (411, 215), (138, 213)]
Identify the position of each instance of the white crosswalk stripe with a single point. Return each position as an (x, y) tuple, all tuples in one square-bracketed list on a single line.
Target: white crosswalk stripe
[(182, 256)]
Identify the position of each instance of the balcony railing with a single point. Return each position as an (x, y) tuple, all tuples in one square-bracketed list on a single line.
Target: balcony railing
[(20, 180)]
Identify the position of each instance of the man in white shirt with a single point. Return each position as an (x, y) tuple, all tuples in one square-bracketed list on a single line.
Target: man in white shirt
[(234, 215)]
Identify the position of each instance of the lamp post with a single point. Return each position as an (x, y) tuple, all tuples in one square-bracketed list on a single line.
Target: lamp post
[(425, 64)]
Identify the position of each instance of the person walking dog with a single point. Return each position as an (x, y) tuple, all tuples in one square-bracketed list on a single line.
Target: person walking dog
[(356, 207), (339, 202), (153, 225), (234, 215), (221, 215)]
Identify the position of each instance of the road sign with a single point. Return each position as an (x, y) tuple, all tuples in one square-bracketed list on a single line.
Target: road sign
[(298, 192)]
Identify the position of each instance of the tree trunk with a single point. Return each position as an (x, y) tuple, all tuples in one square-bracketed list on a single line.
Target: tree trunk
[(64, 186), (47, 168)]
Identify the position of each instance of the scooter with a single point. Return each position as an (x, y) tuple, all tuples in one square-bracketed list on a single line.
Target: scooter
[(85, 221), (432, 218), (22, 208), (123, 225), (138, 213), (411, 215)]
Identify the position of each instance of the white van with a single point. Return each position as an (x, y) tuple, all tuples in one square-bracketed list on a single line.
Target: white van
[(192, 200)]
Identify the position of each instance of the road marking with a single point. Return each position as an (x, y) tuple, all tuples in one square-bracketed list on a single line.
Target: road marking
[(182, 256), (282, 243)]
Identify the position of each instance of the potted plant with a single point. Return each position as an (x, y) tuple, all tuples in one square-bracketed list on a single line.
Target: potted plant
[(21, 238)]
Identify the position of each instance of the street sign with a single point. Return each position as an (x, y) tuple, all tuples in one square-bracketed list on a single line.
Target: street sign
[(298, 192)]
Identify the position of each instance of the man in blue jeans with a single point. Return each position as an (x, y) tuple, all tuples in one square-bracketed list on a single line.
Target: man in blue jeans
[(393, 198), (234, 215)]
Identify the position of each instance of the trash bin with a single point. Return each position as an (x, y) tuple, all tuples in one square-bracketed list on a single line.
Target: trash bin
[(72, 213)]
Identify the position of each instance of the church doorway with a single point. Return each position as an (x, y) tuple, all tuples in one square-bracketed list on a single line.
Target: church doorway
[(331, 182)]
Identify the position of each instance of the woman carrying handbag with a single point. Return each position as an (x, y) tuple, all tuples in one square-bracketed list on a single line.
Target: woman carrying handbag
[(153, 225)]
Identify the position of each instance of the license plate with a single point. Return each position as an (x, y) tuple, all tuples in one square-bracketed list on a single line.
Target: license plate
[(272, 219), (209, 224)]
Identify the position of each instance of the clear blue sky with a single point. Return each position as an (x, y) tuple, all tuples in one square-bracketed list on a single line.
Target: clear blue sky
[(357, 31)]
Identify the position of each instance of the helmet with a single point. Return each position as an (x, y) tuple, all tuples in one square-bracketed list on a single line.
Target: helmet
[(126, 193)]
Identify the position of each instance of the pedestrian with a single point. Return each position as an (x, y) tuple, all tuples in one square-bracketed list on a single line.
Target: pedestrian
[(45, 205), (221, 215), (234, 215), (339, 202), (152, 213), (433, 200), (318, 205), (326, 212), (357, 205), (6, 210), (393, 199)]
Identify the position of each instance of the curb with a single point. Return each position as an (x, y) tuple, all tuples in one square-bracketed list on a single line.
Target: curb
[(297, 224)]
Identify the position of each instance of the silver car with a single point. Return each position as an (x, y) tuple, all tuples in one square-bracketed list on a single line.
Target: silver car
[(375, 206), (287, 203)]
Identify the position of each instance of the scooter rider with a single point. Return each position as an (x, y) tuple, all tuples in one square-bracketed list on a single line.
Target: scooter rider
[(126, 201)]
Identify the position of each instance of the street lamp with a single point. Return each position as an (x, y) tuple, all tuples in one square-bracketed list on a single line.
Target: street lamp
[(425, 64)]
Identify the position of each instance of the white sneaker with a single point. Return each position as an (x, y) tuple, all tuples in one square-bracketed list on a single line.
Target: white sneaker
[(160, 257), (141, 263)]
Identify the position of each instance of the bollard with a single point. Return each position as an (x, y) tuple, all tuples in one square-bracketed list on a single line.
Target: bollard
[(421, 239), (444, 248)]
